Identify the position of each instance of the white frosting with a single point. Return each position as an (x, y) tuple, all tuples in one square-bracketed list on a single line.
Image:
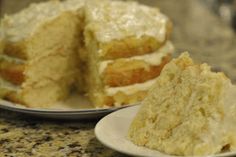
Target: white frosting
[(110, 20), (103, 65), (11, 59), (154, 58), (8, 85), (131, 89), (24, 23)]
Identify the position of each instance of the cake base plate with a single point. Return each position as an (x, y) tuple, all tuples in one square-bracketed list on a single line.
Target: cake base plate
[(75, 107)]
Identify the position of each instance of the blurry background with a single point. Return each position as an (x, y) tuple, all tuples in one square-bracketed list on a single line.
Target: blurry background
[(11, 6), (226, 9), (202, 27)]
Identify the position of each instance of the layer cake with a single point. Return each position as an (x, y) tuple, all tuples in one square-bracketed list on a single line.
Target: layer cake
[(112, 51)]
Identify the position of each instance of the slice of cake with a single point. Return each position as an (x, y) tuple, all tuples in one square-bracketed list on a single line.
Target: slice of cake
[(39, 61), (127, 45), (190, 111)]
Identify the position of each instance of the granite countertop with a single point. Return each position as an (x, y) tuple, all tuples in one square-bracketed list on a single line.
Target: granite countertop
[(196, 29)]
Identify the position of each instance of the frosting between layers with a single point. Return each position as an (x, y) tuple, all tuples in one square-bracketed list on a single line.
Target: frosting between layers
[(131, 89), (154, 58), (110, 20), (26, 22), (6, 86), (11, 59)]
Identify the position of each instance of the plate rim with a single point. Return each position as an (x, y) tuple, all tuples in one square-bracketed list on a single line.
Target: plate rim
[(105, 144), (4, 104), (136, 107)]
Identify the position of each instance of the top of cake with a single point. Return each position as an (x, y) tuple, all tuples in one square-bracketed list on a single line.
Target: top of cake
[(190, 111), (116, 19), (23, 24), (109, 19)]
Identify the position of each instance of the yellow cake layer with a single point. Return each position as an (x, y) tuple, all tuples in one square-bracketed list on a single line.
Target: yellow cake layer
[(128, 73), (35, 97), (12, 69), (101, 95), (118, 96), (124, 29), (128, 47), (136, 69)]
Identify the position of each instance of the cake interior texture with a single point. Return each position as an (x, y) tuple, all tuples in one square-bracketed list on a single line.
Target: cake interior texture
[(190, 111), (112, 51)]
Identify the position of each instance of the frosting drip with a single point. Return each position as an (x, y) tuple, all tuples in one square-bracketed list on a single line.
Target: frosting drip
[(131, 89)]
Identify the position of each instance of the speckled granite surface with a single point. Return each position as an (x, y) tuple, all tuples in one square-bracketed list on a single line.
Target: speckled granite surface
[(23, 136), (196, 29)]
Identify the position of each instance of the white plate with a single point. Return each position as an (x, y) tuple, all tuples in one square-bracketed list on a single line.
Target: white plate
[(112, 131), (75, 107)]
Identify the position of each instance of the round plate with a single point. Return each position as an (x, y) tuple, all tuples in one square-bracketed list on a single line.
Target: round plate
[(112, 132), (75, 107)]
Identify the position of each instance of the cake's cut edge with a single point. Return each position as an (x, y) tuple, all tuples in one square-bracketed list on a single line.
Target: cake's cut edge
[(51, 65)]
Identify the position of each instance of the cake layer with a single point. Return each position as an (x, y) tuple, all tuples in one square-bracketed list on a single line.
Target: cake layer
[(16, 71), (128, 47), (130, 89), (6, 88), (52, 68), (12, 69), (2, 41), (15, 49), (153, 58), (136, 71), (29, 96), (124, 29), (118, 96), (49, 93)]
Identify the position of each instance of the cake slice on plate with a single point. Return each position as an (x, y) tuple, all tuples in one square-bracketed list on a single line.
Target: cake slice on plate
[(190, 111)]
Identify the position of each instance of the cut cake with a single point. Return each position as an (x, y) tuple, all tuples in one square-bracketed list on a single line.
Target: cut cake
[(111, 50)]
